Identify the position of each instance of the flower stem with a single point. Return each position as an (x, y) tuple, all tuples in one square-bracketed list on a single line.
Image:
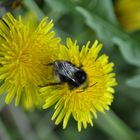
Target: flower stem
[(115, 127)]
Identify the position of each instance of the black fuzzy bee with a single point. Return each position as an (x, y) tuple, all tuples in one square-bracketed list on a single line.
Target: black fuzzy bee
[(69, 73)]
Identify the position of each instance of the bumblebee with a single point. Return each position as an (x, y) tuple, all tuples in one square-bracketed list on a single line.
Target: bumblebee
[(69, 73), (66, 72)]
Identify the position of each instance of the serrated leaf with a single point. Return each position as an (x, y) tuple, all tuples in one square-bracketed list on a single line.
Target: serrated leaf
[(134, 81), (112, 34)]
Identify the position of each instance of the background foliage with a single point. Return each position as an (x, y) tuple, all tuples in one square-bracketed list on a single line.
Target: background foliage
[(82, 20)]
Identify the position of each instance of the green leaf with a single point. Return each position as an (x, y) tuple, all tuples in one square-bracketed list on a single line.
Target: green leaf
[(2, 101), (33, 7), (134, 81), (45, 127), (112, 34), (23, 124), (104, 9), (115, 127), (61, 6), (3, 132)]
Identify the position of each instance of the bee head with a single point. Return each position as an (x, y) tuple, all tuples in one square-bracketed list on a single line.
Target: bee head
[(80, 77)]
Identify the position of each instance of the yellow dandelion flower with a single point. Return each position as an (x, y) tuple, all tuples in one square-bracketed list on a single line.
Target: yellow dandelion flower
[(82, 99), (24, 53), (128, 13)]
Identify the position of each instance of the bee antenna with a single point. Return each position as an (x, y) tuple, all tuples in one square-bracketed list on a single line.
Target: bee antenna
[(93, 84)]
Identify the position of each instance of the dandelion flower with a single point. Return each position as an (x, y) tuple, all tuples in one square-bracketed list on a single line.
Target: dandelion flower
[(82, 102), (128, 13), (24, 53)]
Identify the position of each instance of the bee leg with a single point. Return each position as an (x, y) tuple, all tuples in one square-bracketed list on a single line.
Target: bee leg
[(49, 64), (50, 84)]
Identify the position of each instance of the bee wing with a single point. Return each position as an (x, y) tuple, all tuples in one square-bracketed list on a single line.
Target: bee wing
[(65, 70)]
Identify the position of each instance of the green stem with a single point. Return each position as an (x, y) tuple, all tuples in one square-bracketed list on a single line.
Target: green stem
[(115, 127)]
